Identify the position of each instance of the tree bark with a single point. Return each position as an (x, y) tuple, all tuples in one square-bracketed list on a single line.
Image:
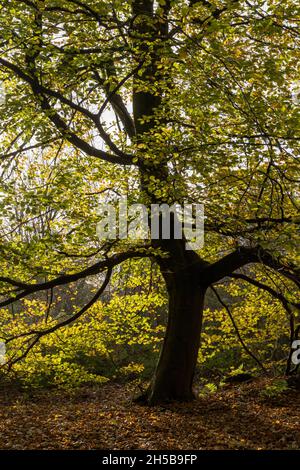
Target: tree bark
[(174, 374), (175, 370)]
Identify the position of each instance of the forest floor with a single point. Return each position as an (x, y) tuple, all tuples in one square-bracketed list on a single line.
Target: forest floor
[(236, 417)]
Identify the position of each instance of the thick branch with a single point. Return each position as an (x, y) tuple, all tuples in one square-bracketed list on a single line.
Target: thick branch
[(245, 347), (243, 256), (38, 334), (215, 12)]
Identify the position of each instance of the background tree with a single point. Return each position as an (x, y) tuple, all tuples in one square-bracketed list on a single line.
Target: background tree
[(164, 102)]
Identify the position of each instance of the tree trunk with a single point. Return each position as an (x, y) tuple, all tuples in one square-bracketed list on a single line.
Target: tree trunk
[(174, 374)]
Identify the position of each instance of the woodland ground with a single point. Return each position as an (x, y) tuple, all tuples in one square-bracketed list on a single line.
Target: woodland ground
[(237, 417)]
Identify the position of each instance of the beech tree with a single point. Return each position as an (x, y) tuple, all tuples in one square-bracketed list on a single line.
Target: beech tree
[(162, 102)]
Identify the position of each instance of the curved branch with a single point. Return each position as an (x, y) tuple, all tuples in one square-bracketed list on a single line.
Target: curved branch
[(38, 334), (245, 347), (242, 256), (96, 268), (42, 91), (268, 289)]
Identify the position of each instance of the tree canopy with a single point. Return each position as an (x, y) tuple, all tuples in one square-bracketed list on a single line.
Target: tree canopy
[(160, 102)]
